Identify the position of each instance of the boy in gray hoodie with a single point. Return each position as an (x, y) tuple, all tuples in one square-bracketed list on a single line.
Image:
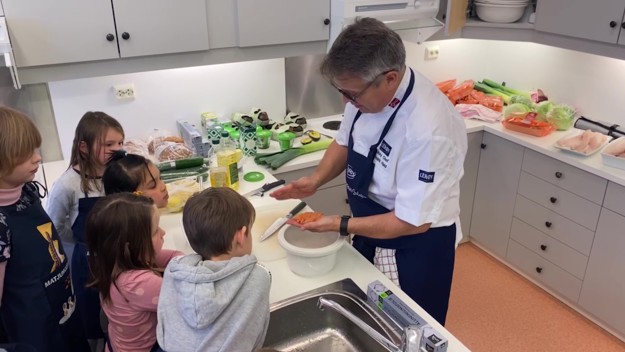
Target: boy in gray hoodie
[(217, 299)]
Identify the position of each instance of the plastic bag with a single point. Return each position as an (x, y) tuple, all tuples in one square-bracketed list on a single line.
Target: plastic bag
[(179, 192)]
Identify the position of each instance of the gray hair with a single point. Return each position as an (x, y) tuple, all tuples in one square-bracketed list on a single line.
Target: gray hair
[(365, 48)]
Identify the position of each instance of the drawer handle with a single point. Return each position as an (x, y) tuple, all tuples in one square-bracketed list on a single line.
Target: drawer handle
[(483, 146), (543, 247), (558, 174), (553, 200), (548, 223), (346, 201), (539, 269)]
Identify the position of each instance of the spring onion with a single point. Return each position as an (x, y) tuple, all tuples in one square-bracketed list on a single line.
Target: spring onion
[(275, 160), (490, 90), (504, 89)]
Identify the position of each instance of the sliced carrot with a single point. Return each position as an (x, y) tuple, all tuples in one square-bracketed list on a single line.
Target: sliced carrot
[(444, 86), (306, 217)]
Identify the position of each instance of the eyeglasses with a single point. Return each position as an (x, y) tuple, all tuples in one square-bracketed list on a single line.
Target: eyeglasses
[(355, 97)]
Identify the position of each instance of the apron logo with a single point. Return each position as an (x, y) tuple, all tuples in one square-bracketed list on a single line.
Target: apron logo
[(53, 246), (426, 176), (350, 172), (394, 102), (385, 148)]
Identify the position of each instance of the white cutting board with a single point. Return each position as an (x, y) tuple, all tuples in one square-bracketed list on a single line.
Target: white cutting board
[(270, 249)]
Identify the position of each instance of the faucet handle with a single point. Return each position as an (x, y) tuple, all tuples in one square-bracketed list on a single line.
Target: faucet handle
[(411, 338)]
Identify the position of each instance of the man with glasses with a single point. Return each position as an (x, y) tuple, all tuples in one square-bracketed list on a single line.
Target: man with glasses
[(402, 145)]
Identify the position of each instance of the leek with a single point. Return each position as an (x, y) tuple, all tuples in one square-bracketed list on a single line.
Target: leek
[(490, 90), (504, 89), (275, 160)]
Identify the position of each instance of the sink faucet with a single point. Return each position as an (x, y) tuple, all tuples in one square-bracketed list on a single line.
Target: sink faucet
[(411, 338)]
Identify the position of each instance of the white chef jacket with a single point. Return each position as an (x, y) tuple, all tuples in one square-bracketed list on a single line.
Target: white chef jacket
[(419, 164)]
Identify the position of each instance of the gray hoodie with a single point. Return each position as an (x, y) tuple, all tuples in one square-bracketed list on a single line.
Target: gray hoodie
[(213, 305)]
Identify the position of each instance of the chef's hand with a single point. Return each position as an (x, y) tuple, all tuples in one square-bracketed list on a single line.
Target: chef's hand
[(302, 188), (329, 223)]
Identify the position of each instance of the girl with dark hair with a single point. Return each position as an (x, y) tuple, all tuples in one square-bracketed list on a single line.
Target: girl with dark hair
[(127, 260), (133, 173)]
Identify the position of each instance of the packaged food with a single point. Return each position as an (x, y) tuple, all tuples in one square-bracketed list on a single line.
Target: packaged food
[(614, 154), (179, 192), (527, 123), (583, 143)]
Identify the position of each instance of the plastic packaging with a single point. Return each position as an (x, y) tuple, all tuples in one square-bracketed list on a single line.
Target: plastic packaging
[(528, 124), (286, 140), (263, 138), (247, 141)]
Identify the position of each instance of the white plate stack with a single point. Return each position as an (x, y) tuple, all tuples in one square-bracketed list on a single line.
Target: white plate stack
[(500, 11)]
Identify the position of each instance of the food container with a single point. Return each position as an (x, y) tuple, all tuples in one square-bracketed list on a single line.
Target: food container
[(610, 153), (577, 135), (309, 253), (500, 13), (263, 137), (286, 140), (527, 123)]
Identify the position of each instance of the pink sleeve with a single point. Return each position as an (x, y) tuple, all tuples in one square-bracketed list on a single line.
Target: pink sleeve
[(141, 288), (164, 256)]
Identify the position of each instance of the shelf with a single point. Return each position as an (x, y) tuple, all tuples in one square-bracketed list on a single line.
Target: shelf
[(474, 22)]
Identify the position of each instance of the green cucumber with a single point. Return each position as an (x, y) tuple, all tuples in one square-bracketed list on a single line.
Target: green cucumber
[(180, 164)]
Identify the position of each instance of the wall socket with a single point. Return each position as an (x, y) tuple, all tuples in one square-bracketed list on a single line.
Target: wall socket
[(431, 52), (124, 91)]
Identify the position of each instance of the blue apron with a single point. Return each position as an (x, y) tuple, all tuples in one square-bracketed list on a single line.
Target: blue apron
[(87, 298), (425, 262), (38, 303)]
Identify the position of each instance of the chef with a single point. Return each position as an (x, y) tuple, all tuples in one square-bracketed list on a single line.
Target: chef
[(402, 147)]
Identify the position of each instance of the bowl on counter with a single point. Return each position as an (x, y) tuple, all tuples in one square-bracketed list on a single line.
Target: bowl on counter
[(309, 253), (501, 12)]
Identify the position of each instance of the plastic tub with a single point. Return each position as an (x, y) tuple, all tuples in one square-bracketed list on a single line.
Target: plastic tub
[(528, 124), (497, 13), (309, 253)]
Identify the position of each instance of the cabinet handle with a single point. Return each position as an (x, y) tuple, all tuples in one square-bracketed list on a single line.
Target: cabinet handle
[(483, 146), (543, 247), (346, 201), (613, 24), (623, 25), (553, 200), (326, 21), (548, 223), (110, 37), (125, 35), (539, 269), (558, 174)]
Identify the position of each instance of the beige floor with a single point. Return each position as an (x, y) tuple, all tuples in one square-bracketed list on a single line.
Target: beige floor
[(492, 308)]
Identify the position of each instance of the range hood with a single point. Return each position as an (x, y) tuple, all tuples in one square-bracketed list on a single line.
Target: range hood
[(413, 20), (6, 53)]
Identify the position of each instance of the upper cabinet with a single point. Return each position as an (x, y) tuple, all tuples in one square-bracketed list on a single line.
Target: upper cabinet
[(66, 31), (282, 21), (583, 19)]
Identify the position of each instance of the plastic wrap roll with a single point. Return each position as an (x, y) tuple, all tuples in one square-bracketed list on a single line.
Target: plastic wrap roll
[(610, 129)]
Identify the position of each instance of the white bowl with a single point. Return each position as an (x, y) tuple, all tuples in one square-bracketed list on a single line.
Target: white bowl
[(309, 253), (500, 13)]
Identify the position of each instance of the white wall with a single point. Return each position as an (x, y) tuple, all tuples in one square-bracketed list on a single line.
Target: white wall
[(162, 97), (593, 84)]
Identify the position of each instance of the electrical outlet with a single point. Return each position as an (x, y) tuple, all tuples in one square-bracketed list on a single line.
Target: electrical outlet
[(124, 91), (431, 52)]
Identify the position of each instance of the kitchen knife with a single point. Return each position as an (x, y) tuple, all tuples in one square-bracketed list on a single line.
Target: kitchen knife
[(260, 191), (281, 221)]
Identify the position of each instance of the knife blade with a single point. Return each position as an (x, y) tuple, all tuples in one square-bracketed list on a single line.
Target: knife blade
[(281, 221), (260, 191)]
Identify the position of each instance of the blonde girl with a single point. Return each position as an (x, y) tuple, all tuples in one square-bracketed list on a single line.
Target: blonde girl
[(127, 260), (72, 197), (35, 284)]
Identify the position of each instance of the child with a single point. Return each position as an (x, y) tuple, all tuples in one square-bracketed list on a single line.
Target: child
[(134, 173), (125, 242), (217, 299), (35, 287), (72, 197)]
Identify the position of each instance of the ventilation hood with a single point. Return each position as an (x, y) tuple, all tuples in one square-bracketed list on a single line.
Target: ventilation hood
[(413, 20)]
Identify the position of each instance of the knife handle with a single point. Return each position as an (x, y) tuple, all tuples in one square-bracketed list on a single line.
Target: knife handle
[(297, 209), (268, 186)]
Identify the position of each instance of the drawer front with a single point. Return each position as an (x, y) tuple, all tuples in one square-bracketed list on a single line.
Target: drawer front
[(555, 278), (574, 207), (291, 176), (555, 225), (572, 179), (615, 198), (559, 254)]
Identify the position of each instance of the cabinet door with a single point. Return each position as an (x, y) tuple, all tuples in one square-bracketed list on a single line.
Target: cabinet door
[(495, 193), (603, 290), (160, 26), (468, 181), (581, 18), (282, 21), (53, 32)]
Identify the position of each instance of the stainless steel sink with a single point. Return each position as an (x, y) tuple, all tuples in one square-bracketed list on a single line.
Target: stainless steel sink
[(297, 324)]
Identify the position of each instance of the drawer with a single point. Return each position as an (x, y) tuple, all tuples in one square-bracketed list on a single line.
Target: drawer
[(296, 174), (541, 270), (556, 252), (555, 225), (615, 198), (570, 178), (572, 206)]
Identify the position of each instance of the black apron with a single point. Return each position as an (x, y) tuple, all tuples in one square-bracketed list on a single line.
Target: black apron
[(87, 298), (38, 305), (425, 261)]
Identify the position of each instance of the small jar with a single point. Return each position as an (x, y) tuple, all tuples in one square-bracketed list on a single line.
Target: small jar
[(286, 140), (262, 139)]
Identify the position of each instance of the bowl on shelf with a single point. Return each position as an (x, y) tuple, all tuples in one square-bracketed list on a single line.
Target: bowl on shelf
[(309, 253), (501, 12)]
